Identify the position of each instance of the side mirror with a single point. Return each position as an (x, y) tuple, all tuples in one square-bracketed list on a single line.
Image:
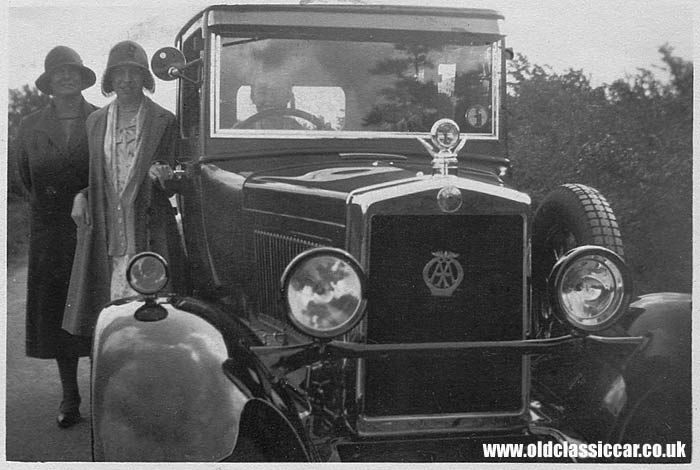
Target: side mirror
[(168, 63)]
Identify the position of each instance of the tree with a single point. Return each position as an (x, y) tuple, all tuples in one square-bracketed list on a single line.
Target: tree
[(631, 139), (552, 117), (21, 102), (409, 104), (653, 138)]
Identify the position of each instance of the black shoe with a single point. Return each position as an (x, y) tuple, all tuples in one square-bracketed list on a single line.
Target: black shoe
[(68, 415)]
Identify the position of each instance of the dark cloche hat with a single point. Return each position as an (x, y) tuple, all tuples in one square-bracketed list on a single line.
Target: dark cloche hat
[(58, 57), (127, 53)]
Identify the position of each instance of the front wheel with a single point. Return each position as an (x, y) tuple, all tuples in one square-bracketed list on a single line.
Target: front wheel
[(571, 215)]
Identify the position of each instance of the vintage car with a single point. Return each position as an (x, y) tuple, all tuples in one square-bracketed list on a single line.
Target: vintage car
[(364, 283)]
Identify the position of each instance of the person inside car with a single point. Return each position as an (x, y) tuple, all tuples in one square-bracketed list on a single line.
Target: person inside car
[(272, 95)]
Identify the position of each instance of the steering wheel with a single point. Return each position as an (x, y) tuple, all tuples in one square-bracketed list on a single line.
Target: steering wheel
[(280, 112)]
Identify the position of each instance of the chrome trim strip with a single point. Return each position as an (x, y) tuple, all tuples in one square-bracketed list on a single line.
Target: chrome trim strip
[(428, 183), (448, 416), (305, 219), (215, 85), (205, 105), (398, 426), (356, 192), (315, 134), (296, 189), (527, 324), (496, 78), (217, 132)]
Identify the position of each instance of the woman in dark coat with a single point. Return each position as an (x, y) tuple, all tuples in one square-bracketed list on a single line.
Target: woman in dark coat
[(125, 209), (53, 164)]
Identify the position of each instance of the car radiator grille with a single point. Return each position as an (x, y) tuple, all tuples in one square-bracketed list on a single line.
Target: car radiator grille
[(486, 306), (273, 252)]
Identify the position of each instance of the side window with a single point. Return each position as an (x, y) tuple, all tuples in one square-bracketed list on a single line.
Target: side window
[(190, 92)]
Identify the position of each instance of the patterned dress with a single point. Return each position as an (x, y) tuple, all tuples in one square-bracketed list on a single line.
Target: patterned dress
[(121, 149)]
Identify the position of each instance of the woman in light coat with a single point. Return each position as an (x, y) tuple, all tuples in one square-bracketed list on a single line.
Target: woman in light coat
[(125, 209)]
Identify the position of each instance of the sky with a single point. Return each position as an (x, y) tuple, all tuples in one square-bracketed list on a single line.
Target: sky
[(607, 39)]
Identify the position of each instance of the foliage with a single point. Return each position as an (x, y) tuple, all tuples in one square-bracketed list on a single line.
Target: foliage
[(409, 105), (21, 102), (632, 140)]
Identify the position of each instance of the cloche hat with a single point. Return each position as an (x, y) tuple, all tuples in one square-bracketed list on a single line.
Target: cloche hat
[(127, 53), (58, 57)]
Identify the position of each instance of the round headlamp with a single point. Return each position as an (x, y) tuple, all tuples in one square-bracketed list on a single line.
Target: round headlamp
[(147, 273), (590, 287), (445, 134), (324, 292)]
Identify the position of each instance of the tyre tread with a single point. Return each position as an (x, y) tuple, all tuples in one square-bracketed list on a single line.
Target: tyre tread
[(603, 224)]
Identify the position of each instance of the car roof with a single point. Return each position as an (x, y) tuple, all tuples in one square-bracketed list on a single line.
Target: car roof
[(406, 15)]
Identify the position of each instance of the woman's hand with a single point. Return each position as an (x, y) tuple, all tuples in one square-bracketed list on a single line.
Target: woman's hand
[(80, 213), (161, 172)]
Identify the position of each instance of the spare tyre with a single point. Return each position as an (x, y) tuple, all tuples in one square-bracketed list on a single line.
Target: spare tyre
[(571, 215)]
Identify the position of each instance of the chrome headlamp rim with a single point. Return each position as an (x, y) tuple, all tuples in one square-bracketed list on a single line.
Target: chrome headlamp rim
[(298, 262), (132, 282), (614, 308)]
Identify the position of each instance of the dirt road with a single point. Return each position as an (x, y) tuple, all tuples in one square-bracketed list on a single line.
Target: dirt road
[(34, 393)]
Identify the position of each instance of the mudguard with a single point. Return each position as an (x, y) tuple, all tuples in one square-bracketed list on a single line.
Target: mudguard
[(159, 389), (616, 393), (652, 397), (666, 318)]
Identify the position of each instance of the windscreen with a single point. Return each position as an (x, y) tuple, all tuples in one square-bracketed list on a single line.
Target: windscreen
[(329, 85)]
